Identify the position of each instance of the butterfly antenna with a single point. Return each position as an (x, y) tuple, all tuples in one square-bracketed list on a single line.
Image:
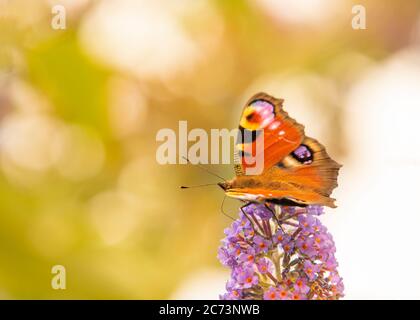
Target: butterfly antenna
[(207, 170), (223, 212), (198, 185)]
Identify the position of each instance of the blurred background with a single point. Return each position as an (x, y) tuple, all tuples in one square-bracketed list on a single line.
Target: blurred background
[(80, 108)]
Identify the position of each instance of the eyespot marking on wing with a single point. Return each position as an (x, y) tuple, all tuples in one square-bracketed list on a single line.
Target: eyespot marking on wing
[(257, 115), (303, 154)]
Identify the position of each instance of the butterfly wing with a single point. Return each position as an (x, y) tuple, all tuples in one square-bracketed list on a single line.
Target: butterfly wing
[(268, 126), (297, 169)]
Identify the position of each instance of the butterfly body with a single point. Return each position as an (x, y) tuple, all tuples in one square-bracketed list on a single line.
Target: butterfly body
[(296, 169)]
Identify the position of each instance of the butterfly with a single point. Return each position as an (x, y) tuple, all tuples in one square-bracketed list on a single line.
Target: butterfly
[(297, 170)]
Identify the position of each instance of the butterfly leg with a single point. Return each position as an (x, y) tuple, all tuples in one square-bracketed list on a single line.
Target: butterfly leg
[(273, 212), (223, 211)]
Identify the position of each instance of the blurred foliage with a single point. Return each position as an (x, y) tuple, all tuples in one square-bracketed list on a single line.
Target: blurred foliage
[(70, 81)]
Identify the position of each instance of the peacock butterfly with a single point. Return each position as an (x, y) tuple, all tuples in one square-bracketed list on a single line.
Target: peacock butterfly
[(297, 169)]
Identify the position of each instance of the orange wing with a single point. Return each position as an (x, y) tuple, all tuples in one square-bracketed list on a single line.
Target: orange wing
[(264, 122), (297, 169), (292, 181)]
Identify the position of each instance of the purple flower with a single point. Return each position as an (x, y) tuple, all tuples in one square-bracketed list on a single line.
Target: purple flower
[(225, 258), (331, 263), (263, 213), (247, 278), (306, 246), (311, 269), (286, 210), (234, 250), (248, 256), (285, 294), (301, 286), (232, 293), (261, 244), (250, 208), (315, 210), (298, 296), (258, 210), (279, 236), (308, 223), (288, 257), (272, 294), (287, 244), (264, 265)]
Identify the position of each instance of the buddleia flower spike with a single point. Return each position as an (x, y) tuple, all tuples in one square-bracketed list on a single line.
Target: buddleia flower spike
[(283, 255)]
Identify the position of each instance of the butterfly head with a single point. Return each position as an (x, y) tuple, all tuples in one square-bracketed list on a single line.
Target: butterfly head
[(225, 185)]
